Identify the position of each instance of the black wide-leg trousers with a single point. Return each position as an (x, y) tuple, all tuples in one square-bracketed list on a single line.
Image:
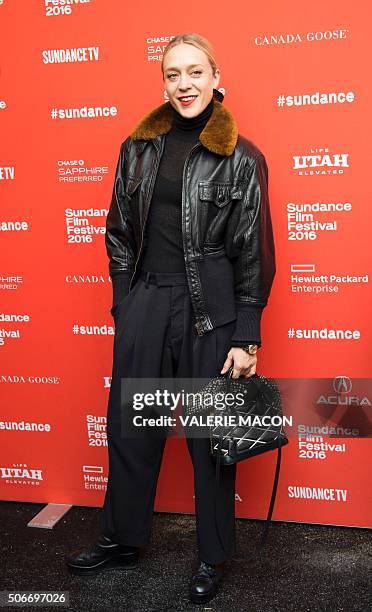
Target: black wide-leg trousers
[(155, 337)]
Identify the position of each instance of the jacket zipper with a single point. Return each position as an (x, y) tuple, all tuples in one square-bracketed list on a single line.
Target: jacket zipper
[(183, 200), (153, 177), (198, 144)]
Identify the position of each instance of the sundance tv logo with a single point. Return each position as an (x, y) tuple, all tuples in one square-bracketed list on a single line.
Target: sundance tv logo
[(7, 173), (72, 55)]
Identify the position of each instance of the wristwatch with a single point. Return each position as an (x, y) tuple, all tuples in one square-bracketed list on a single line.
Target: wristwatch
[(251, 349)]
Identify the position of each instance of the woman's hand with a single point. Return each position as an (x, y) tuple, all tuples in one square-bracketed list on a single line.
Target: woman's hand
[(244, 364)]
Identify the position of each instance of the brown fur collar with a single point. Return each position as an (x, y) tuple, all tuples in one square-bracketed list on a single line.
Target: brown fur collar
[(219, 135)]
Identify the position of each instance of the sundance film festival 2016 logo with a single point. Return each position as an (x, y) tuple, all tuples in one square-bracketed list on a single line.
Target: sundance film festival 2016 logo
[(96, 430), (302, 218), (12, 334), (79, 226), (56, 8)]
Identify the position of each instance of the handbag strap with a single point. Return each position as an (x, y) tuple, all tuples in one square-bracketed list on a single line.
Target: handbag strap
[(265, 530)]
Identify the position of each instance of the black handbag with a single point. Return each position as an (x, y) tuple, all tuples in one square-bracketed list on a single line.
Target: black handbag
[(245, 436)]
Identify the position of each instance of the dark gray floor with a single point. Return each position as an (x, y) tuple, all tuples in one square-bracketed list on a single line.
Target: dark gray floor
[(306, 568)]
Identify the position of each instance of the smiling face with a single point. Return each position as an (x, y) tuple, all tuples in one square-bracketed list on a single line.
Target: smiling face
[(189, 79)]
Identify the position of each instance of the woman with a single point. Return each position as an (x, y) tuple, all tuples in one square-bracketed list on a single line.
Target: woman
[(191, 275)]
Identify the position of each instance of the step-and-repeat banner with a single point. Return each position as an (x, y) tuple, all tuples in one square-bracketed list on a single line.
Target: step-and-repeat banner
[(75, 78)]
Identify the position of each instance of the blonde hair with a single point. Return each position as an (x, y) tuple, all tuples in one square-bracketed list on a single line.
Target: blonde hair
[(198, 41)]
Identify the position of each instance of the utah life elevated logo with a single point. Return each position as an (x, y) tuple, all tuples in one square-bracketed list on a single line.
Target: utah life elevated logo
[(21, 474), (320, 162)]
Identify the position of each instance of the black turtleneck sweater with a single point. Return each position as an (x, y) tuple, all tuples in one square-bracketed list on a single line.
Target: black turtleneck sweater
[(163, 244)]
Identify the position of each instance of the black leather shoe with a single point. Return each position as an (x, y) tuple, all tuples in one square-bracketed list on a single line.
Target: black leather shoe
[(104, 555), (203, 584)]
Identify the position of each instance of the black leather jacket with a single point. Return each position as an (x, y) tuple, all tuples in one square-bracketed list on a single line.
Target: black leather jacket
[(227, 232)]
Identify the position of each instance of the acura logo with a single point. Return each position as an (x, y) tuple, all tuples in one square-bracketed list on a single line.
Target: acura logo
[(342, 384)]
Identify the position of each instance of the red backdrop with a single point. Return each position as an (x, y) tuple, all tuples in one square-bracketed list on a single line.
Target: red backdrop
[(56, 177)]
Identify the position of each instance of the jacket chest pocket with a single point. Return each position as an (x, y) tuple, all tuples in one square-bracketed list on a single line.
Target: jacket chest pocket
[(220, 194), (217, 200)]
